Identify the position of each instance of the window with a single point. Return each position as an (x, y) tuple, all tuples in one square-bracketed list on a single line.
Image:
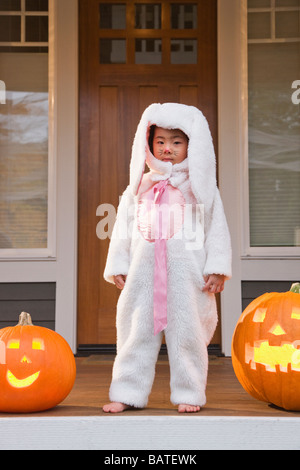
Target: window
[(273, 123), (148, 16), (148, 33), (184, 16), (112, 16), (26, 188), (112, 51), (148, 51), (184, 51)]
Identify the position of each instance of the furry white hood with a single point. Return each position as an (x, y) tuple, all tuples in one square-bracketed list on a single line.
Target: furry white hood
[(201, 155)]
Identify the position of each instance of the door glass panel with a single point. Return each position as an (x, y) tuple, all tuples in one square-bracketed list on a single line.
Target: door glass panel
[(184, 16), (184, 51), (147, 16), (112, 51), (148, 51), (112, 16)]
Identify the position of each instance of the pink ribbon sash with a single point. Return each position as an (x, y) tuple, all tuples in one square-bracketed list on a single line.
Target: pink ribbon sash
[(160, 269), (160, 216)]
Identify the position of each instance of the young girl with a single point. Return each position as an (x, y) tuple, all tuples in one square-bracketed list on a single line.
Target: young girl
[(174, 255)]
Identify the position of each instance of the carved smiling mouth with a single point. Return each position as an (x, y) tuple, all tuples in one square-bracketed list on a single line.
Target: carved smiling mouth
[(273, 357), (23, 383)]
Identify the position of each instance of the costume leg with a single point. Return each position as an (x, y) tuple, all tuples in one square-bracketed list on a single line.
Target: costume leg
[(134, 370), (137, 347), (187, 336)]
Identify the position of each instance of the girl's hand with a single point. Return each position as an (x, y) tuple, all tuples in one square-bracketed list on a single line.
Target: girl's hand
[(214, 283), (120, 280)]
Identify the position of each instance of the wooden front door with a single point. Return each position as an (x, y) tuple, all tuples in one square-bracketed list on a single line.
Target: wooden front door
[(132, 53)]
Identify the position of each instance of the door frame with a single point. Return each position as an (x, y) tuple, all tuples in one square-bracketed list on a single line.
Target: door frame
[(230, 123), (127, 86), (230, 75), (66, 67)]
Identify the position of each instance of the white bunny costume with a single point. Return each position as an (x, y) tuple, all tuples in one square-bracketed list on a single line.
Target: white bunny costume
[(197, 246)]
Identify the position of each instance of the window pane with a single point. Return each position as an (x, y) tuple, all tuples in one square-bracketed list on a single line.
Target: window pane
[(183, 51), (112, 51), (184, 16), (259, 3), (259, 25), (24, 151), (287, 24), (288, 3), (112, 16), (10, 28), (36, 28), (148, 16), (274, 145), (148, 51), (36, 5), (10, 5)]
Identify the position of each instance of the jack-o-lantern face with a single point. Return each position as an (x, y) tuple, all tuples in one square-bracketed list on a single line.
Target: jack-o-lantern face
[(26, 361), (274, 352), (266, 349), (37, 368)]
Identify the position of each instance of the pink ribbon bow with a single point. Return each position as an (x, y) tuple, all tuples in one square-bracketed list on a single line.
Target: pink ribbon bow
[(160, 269)]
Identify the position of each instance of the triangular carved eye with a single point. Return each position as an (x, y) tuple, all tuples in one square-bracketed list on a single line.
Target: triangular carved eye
[(277, 330)]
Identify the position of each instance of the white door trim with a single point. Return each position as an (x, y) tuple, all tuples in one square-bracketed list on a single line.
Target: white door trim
[(230, 151), (66, 59)]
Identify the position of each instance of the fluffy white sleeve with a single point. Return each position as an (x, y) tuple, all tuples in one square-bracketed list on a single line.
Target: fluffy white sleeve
[(217, 241), (118, 257)]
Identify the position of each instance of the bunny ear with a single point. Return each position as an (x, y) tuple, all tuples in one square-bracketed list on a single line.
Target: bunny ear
[(140, 148), (201, 155), (202, 161)]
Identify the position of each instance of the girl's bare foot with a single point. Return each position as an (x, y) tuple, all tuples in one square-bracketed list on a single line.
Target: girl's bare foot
[(115, 407), (188, 409)]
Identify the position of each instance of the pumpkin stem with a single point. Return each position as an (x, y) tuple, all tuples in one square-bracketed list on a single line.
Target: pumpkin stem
[(25, 319), (295, 288)]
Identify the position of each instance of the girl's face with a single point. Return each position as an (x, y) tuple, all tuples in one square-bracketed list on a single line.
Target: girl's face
[(170, 145)]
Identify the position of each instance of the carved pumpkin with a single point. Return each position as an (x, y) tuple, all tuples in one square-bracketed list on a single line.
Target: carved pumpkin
[(37, 368), (266, 349)]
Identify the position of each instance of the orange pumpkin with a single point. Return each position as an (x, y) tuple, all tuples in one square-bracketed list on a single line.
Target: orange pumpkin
[(266, 348), (37, 368)]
